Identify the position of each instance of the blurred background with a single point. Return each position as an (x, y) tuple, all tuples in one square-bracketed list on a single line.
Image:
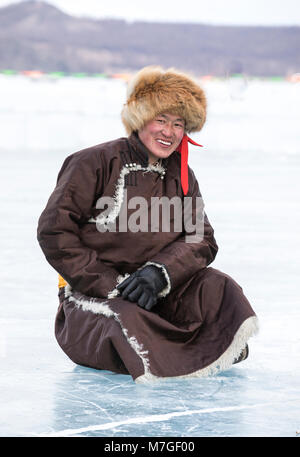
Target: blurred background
[(64, 68), (64, 64)]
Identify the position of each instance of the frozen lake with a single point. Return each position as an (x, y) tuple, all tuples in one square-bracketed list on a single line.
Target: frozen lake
[(248, 173)]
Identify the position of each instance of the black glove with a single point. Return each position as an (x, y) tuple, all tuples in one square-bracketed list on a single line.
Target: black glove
[(143, 286)]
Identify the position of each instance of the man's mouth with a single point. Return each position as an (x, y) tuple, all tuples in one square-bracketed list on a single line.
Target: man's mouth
[(164, 142)]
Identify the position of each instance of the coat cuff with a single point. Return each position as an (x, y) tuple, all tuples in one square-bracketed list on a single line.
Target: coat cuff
[(164, 292)]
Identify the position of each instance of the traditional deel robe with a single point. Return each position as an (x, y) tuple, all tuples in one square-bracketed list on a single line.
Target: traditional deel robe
[(202, 320)]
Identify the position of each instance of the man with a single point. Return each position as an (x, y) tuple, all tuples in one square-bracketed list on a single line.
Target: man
[(136, 298)]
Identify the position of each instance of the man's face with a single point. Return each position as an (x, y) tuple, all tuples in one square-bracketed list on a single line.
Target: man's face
[(162, 135)]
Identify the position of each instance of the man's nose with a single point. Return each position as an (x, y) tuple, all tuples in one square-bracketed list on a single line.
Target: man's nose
[(167, 129)]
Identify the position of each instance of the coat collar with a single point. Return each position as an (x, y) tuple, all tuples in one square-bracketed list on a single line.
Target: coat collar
[(140, 152)]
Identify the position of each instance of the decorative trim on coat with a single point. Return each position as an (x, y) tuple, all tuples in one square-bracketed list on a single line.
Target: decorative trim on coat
[(118, 197), (115, 292), (248, 329), (164, 292), (102, 308), (111, 217)]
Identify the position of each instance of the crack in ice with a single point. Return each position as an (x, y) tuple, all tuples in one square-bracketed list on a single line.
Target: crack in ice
[(151, 418)]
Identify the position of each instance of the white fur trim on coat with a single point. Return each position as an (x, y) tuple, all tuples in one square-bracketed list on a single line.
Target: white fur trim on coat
[(105, 220), (248, 329), (93, 305), (164, 292), (115, 292)]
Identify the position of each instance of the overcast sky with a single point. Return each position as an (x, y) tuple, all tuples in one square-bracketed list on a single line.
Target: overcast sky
[(230, 12)]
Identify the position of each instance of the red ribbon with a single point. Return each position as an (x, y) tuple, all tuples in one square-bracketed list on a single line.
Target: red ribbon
[(183, 149)]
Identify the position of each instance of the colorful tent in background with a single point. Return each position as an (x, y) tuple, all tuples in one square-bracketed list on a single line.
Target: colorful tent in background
[(276, 78), (100, 75), (57, 74), (8, 72), (295, 78), (79, 75), (34, 74), (124, 76)]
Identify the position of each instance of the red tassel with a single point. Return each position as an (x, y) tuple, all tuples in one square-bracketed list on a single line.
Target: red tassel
[(183, 149)]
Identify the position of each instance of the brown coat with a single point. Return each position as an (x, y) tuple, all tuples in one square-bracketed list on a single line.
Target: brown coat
[(202, 320)]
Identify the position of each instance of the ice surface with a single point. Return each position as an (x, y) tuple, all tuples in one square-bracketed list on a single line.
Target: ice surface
[(249, 177)]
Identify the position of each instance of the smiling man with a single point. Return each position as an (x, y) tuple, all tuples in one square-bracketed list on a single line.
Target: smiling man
[(162, 136), (142, 302)]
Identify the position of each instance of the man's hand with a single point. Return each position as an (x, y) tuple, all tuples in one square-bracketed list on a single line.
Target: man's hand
[(143, 286)]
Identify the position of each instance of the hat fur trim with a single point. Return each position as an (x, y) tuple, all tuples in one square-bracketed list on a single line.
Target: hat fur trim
[(153, 91)]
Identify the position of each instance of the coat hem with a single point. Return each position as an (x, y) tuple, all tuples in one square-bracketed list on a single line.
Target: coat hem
[(249, 328), (102, 308)]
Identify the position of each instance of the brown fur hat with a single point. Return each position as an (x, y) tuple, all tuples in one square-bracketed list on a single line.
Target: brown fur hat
[(153, 91)]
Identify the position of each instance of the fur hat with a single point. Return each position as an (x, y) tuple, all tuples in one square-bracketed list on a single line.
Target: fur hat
[(154, 91)]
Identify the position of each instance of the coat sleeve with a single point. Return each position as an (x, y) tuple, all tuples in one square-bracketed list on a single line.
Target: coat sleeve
[(193, 249), (58, 229)]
